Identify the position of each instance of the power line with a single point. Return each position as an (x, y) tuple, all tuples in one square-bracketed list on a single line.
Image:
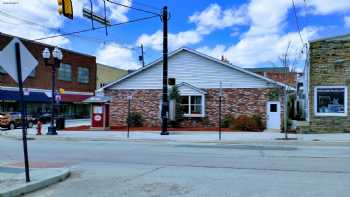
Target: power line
[(145, 5), (297, 22), (131, 7), (96, 28), (57, 30)]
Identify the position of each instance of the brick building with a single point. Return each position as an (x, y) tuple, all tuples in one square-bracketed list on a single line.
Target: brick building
[(280, 74), (198, 79), (76, 75), (327, 83)]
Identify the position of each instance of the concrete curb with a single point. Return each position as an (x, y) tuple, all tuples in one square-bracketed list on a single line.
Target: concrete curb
[(25, 188), (262, 142)]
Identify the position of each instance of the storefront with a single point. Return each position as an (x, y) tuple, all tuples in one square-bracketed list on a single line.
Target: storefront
[(70, 106)]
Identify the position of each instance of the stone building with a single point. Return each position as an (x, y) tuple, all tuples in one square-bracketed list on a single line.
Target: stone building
[(198, 79), (328, 80)]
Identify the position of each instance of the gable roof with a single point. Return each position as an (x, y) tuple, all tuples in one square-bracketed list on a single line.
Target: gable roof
[(201, 55), (199, 90)]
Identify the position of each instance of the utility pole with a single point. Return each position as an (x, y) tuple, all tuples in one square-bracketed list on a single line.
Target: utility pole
[(165, 105), (142, 57), (285, 101)]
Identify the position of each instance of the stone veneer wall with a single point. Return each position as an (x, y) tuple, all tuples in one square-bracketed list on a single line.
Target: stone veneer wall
[(324, 72), (239, 101)]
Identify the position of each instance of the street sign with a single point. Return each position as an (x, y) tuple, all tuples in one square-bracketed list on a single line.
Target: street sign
[(26, 91), (8, 60)]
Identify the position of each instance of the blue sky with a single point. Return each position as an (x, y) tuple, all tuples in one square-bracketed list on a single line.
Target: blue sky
[(252, 33)]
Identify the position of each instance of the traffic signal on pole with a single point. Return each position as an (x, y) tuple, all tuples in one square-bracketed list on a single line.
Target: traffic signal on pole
[(65, 7)]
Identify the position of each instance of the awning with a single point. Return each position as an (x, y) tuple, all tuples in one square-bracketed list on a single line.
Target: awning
[(8, 95), (98, 99), (73, 98)]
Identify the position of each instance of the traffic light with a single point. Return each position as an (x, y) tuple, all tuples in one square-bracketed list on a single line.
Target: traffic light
[(65, 7)]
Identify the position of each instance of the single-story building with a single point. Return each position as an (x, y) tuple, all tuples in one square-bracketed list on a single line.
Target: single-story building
[(327, 80), (198, 78)]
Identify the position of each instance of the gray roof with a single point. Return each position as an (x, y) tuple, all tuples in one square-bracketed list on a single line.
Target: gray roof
[(269, 69)]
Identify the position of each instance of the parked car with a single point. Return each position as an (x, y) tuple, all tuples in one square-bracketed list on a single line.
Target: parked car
[(43, 117), (12, 120)]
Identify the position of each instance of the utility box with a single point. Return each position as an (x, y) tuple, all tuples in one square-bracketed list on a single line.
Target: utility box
[(99, 111)]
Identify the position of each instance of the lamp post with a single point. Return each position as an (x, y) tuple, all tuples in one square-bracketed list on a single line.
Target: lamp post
[(57, 56)]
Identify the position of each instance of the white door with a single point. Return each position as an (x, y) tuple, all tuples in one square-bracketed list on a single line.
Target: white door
[(273, 115)]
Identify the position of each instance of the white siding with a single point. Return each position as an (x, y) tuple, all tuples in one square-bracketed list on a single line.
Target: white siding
[(195, 70), (185, 90)]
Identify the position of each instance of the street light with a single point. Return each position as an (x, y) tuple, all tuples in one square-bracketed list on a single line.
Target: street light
[(57, 56)]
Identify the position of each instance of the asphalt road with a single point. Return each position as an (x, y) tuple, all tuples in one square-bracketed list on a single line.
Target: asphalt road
[(183, 169)]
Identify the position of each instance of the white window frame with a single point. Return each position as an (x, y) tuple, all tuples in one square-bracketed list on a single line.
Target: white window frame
[(202, 114), (81, 69), (63, 78), (331, 114)]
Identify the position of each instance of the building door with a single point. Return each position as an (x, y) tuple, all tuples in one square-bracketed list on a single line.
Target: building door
[(273, 115)]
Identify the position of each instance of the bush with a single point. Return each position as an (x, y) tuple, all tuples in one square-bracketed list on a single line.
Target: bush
[(227, 121), (248, 123), (136, 119)]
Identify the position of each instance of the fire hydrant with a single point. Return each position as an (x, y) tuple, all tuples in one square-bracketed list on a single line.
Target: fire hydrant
[(38, 127)]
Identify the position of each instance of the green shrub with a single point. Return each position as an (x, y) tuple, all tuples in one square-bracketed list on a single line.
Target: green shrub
[(136, 119), (227, 121), (248, 123)]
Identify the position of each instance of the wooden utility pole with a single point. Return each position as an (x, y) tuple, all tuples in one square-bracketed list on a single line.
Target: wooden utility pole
[(165, 104), (142, 57)]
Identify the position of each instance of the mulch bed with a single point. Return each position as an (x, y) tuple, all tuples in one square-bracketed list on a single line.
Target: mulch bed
[(121, 129)]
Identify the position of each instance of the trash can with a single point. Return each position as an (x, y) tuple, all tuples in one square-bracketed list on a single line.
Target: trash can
[(60, 123)]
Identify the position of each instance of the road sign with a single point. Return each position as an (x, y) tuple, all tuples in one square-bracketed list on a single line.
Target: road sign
[(8, 60)]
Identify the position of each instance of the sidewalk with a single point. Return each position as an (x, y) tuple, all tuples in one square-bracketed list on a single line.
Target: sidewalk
[(187, 136), (12, 179)]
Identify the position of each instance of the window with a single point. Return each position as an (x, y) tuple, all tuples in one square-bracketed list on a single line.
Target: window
[(65, 72), (192, 106), (330, 101), (273, 107), (83, 75)]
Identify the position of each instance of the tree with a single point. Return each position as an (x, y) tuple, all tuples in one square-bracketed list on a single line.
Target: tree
[(175, 96)]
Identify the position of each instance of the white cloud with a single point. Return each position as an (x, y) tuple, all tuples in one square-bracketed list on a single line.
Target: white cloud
[(206, 21), (214, 17), (324, 7), (114, 54), (265, 41), (25, 20), (39, 18), (347, 21), (118, 13)]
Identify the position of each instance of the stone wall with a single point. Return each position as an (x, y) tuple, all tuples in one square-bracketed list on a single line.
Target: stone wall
[(324, 72), (146, 102), (240, 101)]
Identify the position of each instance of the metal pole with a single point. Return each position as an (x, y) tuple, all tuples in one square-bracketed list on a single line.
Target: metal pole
[(220, 97), (23, 115), (52, 129), (164, 111), (285, 113), (128, 134)]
